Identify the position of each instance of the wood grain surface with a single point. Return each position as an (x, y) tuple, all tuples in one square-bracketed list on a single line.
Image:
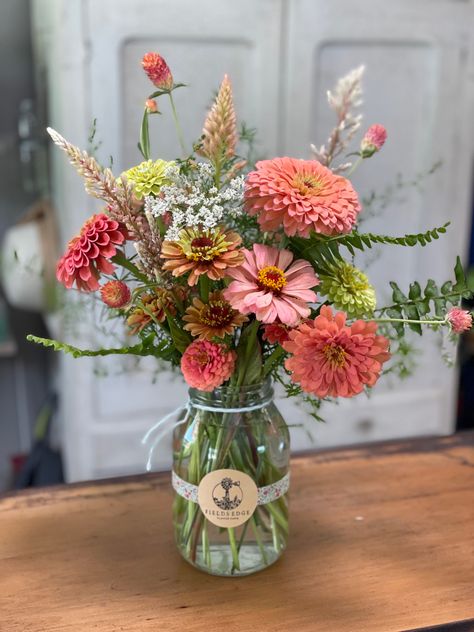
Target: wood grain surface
[(381, 539)]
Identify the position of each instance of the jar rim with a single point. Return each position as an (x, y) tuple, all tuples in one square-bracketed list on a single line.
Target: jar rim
[(232, 395)]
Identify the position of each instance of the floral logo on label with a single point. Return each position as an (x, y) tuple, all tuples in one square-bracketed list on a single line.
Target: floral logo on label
[(225, 501)]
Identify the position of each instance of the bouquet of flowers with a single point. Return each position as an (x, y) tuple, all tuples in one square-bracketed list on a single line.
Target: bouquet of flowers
[(243, 274)]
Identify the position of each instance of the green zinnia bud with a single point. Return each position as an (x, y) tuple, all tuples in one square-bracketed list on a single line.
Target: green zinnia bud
[(348, 289), (148, 177)]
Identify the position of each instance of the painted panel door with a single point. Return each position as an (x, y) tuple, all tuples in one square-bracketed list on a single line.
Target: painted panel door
[(106, 416), (417, 57)]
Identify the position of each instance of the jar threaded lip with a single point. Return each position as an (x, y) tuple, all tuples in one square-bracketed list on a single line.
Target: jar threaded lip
[(232, 396)]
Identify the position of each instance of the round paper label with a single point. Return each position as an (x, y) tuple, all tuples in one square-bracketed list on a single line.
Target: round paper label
[(227, 498)]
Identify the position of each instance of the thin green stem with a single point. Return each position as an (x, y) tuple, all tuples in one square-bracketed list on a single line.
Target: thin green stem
[(356, 164), (179, 131), (233, 548), (204, 287), (409, 320)]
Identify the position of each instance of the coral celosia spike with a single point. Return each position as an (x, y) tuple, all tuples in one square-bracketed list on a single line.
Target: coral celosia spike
[(220, 128)]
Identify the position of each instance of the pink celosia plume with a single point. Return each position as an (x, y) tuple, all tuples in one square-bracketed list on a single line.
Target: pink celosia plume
[(330, 358), (301, 196), (272, 286), (206, 365), (88, 254)]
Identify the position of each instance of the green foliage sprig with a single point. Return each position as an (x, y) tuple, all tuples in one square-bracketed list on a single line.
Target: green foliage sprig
[(428, 305)]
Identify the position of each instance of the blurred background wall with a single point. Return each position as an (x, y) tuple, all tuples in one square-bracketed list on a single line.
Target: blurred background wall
[(282, 56), (24, 375)]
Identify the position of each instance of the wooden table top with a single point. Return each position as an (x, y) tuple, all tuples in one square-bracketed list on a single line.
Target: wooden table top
[(381, 539)]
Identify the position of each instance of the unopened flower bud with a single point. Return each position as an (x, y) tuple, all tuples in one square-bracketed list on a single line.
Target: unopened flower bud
[(152, 106), (158, 71), (373, 140)]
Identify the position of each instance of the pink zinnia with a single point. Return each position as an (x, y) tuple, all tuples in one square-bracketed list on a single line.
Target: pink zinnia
[(158, 71), (270, 286), (87, 254), (301, 196), (373, 140), (206, 365), (330, 358), (459, 319)]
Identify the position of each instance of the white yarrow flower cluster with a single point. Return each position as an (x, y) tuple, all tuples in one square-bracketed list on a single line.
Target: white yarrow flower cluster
[(194, 200)]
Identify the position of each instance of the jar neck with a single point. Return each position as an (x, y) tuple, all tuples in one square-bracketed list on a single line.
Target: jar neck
[(233, 396)]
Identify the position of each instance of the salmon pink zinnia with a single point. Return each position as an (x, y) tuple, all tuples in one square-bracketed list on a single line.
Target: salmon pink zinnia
[(272, 286), (88, 254), (301, 196), (206, 365), (330, 358)]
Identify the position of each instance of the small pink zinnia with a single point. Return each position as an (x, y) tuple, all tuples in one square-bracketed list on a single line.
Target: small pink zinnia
[(373, 140), (87, 254), (158, 71), (206, 365), (330, 358), (115, 294), (270, 286), (301, 196), (459, 319)]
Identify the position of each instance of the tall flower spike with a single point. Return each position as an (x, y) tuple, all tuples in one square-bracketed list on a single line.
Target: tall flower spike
[(220, 128)]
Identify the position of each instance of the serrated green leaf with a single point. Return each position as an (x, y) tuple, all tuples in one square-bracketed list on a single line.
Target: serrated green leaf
[(397, 295), (459, 275), (415, 291), (440, 307), (181, 338), (446, 288), (431, 290), (395, 312), (144, 348), (412, 313)]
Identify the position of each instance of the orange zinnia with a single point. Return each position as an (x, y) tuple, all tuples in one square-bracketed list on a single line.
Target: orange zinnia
[(213, 319), (210, 252)]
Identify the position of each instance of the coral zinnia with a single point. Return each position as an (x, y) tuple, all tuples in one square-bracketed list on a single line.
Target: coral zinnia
[(459, 319), (348, 288), (151, 309), (87, 254), (208, 252), (330, 358), (115, 294), (148, 177), (158, 71), (269, 285), (206, 365), (216, 318), (300, 195)]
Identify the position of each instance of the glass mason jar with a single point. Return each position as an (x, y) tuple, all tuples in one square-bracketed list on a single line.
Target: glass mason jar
[(231, 475)]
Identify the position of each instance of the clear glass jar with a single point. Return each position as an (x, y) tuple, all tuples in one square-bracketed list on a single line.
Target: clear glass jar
[(239, 430)]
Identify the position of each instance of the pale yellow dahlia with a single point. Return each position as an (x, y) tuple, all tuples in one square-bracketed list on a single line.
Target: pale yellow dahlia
[(216, 318), (198, 251), (148, 177), (347, 288)]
